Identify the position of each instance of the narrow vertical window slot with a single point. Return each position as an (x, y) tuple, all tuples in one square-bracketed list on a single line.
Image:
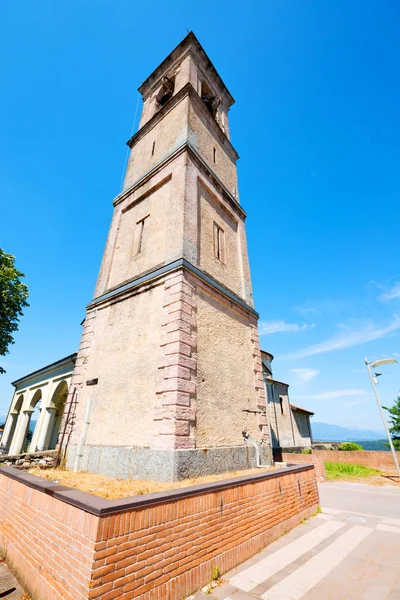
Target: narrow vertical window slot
[(214, 154), (140, 236), (153, 148), (219, 243)]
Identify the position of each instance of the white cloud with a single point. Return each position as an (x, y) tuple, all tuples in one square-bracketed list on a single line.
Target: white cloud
[(333, 395), (267, 327), (391, 294), (347, 338), (304, 375)]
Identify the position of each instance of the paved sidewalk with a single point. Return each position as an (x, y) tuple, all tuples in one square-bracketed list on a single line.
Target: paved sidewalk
[(9, 586), (344, 553)]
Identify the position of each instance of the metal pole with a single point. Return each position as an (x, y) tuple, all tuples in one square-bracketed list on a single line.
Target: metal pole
[(389, 437)]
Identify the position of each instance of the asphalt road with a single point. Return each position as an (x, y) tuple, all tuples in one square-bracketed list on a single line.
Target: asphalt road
[(356, 497)]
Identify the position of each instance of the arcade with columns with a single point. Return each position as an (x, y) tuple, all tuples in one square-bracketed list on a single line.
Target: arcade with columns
[(39, 400)]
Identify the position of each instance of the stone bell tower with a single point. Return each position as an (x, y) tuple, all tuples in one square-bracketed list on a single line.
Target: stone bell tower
[(169, 372)]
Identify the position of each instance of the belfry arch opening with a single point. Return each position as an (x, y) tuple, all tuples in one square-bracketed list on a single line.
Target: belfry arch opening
[(166, 91), (211, 100)]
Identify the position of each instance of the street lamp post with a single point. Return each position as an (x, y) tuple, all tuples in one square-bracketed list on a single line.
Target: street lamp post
[(374, 364)]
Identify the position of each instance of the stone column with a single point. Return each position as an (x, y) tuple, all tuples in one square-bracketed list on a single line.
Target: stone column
[(36, 433), (46, 428), (47, 392), (21, 431), (9, 431)]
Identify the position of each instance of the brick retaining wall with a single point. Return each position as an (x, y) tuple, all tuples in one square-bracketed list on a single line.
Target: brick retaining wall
[(307, 459), (68, 545), (375, 460)]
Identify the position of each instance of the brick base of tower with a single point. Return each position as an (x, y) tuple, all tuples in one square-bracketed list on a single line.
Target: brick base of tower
[(176, 389)]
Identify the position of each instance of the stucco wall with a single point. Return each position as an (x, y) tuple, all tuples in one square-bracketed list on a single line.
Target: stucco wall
[(225, 376), (282, 422), (202, 139), (227, 270), (124, 356), (301, 428), (155, 209), (168, 133)]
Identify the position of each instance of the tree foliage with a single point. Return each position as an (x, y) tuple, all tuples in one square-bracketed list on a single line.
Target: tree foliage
[(394, 420), (349, 446), (13, 298)]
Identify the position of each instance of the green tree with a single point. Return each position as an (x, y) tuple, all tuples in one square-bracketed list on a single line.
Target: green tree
[(349, 446), (394, 419), (13, 298)]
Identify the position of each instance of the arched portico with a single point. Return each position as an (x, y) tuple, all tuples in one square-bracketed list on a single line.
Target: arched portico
[(11, 424), (52, 418), (19, 440), (42, 392)]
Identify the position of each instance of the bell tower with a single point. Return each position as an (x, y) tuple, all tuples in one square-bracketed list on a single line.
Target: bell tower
[(170, 337)]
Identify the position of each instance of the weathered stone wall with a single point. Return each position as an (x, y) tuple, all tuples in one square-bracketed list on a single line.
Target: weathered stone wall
[(225, 374), (68, 545), (44, 460)]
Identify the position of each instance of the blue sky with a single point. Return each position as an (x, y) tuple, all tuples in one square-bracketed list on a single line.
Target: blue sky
[(316, 123)]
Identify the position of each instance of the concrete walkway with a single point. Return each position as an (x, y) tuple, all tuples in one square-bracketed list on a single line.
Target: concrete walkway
[(350, 551), (9, 586)]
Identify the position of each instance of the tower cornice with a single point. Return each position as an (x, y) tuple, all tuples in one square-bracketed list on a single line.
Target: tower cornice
[(149, 278), (187, 90), (185, 147)]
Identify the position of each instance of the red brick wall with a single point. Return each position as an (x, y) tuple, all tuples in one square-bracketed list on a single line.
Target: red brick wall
[(49, 544), (308, 459), (163, 549), (375, 460)]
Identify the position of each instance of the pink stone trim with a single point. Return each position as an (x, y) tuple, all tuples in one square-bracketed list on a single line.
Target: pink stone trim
[(259, 382), (175, 414)]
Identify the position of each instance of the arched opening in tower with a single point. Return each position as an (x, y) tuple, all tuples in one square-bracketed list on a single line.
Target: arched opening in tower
[(166, 92)]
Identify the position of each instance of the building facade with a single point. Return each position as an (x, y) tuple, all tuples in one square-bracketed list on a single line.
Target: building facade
[(289, 424), (43, 394), (168, 376)]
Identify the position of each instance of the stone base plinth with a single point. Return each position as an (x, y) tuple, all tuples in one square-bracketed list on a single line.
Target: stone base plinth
[(167, 465)]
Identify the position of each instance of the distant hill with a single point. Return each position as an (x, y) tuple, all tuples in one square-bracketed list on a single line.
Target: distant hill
[(374, 445), (334, 433)]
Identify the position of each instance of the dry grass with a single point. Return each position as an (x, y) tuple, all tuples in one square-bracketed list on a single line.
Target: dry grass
[(113, 489)]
